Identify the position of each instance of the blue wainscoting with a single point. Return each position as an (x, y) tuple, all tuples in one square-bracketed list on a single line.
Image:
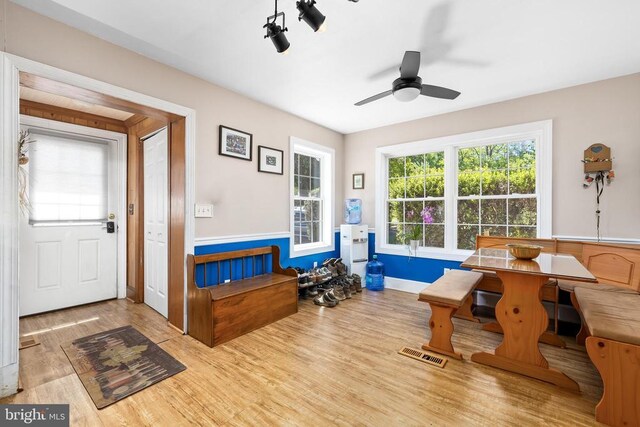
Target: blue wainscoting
[(410, 268), (401, 267), (305, 262)]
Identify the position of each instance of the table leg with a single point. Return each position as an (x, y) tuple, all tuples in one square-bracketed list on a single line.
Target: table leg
[(523, 319), (547, 337)]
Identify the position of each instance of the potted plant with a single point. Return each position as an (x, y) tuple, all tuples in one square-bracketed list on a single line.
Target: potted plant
[(414, 232)]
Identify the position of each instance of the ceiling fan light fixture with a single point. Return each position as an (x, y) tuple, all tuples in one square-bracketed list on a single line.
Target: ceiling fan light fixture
[(310, 14), (406, 94)]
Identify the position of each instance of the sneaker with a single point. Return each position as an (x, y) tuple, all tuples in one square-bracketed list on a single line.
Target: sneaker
[(342, 268), (324, 301), (346, 288), (338, 292), (352, 286), (333, 269), (357, 282), (328, 261), (312, 291), (331, 296)]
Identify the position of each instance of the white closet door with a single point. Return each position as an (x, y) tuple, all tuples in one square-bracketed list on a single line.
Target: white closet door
[(156, 230)]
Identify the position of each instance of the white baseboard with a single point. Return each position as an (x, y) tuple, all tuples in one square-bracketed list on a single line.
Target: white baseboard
[(8, 380), (404, 285)]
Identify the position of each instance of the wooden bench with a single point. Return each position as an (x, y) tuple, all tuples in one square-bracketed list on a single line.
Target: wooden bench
[(445, 296), (617, 268), (613, 323), (254, 297)]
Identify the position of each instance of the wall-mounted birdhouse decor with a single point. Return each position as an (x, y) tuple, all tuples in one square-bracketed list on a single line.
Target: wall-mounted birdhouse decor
[(598, 168), (597, 158)]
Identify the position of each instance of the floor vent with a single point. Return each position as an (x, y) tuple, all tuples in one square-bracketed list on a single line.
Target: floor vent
[(423, 356), (26, 342)]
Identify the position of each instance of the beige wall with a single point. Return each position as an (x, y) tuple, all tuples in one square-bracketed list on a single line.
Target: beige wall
[(607, 112), (245, 201)]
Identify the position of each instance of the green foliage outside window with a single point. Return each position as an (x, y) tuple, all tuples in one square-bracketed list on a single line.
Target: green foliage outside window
[(504, 170)]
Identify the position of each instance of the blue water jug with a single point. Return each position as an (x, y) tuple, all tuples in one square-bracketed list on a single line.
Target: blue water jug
[(353, 211), (375, 275)]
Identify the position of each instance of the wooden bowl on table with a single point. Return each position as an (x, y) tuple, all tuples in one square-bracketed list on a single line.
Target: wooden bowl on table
[(523, 251)]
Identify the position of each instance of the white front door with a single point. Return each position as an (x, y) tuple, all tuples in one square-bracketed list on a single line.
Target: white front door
[(67, 257), (156, 195)]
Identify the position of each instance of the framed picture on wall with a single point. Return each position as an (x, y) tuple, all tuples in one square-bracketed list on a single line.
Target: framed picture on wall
[(235, 143), (270, 160), (358, 181)]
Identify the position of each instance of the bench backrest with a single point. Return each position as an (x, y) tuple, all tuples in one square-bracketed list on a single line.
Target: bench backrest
[(214, 269), (499, 242), (615, 264)]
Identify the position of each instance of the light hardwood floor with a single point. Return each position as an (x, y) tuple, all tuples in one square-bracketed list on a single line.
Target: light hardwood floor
[(321, 366)]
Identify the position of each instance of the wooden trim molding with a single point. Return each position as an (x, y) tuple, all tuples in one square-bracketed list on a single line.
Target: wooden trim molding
[(177, 256), (59, 88), (135, 204), (135, 219), (59, 114)]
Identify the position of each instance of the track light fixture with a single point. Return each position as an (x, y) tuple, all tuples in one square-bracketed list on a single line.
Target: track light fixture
[(276, 32), (311, 15)]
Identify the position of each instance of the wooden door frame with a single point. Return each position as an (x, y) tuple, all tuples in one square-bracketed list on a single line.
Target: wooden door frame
[(10, 68), (176, 174)]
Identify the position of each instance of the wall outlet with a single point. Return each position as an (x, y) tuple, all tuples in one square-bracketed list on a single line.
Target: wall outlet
[(446, 269), (204, 211), (227, 280), (315, 264)]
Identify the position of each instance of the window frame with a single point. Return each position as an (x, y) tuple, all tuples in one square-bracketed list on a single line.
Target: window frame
[(540, 131), (327, 196)]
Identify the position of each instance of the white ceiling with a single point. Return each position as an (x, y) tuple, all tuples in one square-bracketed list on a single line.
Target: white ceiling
[(490, 50)]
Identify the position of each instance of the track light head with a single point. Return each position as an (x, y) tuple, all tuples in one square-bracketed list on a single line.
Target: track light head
[(310, 14), (276, 33)]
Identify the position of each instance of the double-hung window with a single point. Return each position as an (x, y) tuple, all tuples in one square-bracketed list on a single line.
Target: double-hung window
[(444, 192), (312, 198)]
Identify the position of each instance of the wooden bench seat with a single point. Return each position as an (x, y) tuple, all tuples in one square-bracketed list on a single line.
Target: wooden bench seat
[(445, 296), (613, 322), (257, 297)]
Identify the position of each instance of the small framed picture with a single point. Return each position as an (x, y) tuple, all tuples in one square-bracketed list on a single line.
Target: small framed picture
[(358, 181), (270, 160), (235, 143)]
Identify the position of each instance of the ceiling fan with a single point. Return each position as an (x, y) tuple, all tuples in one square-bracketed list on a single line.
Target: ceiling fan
[(409, 85)]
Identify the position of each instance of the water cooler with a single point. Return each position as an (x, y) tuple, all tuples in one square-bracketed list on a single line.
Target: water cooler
[(354, 248)]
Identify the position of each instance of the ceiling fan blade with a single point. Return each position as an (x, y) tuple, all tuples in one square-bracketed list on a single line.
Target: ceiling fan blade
[(439, 92), (374, 98), (410, 65)]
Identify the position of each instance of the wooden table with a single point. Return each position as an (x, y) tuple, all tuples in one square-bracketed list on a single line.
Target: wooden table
[(520, 312)]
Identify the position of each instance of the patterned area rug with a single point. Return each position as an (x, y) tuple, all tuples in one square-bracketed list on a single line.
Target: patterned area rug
[(118, 363)]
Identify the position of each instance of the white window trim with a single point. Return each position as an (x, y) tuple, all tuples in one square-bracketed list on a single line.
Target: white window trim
[(541, 131), (328, 188)]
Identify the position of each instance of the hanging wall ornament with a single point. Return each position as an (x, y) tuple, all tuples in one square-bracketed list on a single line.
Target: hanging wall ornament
[(598, 165)]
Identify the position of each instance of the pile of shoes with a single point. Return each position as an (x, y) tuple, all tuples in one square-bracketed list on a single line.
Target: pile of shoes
[(341, 286)]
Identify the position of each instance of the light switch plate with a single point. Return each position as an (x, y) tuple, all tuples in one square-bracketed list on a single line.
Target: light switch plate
[(204, 211)]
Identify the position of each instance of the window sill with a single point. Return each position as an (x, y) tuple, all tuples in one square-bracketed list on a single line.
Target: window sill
[(455, 255), (311, 249)]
